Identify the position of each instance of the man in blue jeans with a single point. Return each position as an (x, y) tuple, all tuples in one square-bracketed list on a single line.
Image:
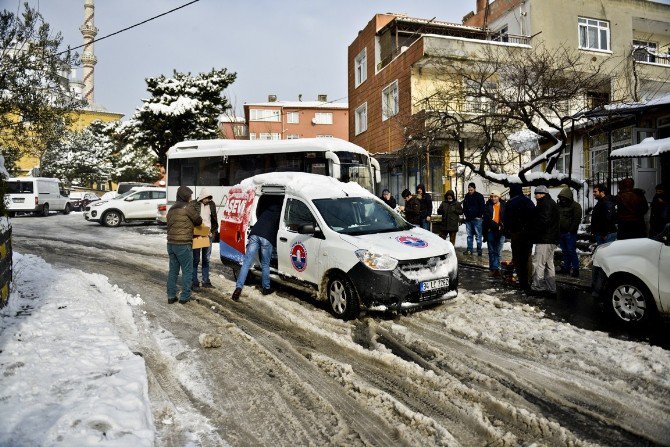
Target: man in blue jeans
[(262, 239), (473, 210), (181, 218)]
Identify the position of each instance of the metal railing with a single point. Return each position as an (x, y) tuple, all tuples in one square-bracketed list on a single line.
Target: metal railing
[(511, 38)]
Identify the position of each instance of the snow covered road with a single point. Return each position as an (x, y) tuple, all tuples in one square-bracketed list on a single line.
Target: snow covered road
[(479, 370)]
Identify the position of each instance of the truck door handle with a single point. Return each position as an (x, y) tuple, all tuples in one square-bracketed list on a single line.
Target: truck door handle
[(283, 239)]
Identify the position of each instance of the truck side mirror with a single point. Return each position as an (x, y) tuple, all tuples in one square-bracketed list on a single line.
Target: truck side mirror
[(307, 229)]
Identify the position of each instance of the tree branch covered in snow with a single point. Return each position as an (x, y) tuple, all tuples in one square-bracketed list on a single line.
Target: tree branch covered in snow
[(502, 103), (179, 108)]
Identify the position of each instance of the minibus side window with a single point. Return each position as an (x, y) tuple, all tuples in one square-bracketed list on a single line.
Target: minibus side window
[(210, 171), (297, 214), (174, 172)]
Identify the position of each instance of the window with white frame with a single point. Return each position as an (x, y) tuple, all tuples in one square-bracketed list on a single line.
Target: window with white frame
[(361, 119), (323, 118), (275, 136), (644, 51), (292, 136), (263, 115), (293, 117), (390, 100), (594, 34), (264, 136), (563, 160), (252, 135), (240, 130), (361, 67)]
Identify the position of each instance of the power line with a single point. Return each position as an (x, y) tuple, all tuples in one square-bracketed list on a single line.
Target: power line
[(131, 27)]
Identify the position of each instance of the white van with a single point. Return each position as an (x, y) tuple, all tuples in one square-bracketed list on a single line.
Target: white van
[(37, 195), (340, 242)]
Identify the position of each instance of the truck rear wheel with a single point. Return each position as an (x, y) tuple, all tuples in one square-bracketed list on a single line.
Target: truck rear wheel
[(343, 298)]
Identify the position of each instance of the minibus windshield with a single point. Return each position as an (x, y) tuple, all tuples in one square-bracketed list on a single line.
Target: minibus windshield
[(359, 215)]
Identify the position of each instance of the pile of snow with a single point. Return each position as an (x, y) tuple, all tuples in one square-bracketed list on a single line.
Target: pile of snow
[(524, 140), (68, 378)]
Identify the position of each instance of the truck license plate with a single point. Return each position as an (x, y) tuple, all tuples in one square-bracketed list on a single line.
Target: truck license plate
[(435, 284), (15, 200)]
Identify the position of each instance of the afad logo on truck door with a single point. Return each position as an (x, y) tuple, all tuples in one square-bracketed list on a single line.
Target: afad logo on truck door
[(411, 241), (299, 256)]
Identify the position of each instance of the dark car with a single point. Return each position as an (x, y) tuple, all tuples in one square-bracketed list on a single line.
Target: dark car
[(80, 199)]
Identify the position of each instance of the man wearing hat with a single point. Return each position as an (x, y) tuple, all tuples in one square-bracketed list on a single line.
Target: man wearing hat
[(493, 231), (546, 237), (206, 208)]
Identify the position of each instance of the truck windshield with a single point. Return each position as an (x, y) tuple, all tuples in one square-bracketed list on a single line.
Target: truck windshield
[(359, 215), (19, 187)]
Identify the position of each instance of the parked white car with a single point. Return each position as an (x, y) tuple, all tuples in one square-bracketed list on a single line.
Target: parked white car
[(38, 195), (632, 277), (342, 243), (138, 204)]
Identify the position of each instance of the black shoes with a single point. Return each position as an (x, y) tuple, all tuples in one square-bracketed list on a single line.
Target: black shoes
[(172, 300), (208, 285), (184, 301), (267, 291), (467, 252), (236, 295), (195, 286), (575, 274)]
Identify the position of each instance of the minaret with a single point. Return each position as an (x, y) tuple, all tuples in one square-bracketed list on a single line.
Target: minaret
[(88, 60)]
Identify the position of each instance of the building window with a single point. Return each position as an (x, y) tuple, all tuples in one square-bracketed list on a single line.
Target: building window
[(293, 117), (594, 34), (263, 115), (240, 130), (323, 118), (563, 160), (264, 136), (361, 119), (390, 101), (292, 136), (252, 135), (324, 136), (644, 51), (361, 67)]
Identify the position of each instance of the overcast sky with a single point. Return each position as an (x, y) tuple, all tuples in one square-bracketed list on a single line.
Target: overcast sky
[(277, 47)]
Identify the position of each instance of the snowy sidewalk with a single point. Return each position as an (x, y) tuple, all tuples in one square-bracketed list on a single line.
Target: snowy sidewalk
[(67, 376)]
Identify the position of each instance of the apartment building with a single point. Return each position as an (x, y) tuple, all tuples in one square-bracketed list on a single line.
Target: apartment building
[(233, 127), (391, 68), (286, 120)]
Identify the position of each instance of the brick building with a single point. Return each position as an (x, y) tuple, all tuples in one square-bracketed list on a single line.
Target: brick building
[(286, 120), (233, 127)]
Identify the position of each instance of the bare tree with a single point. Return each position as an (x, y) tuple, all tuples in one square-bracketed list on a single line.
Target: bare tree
[(488, 100)]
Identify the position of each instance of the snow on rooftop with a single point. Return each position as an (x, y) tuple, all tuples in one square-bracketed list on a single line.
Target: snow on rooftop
[(658, 101), (231, 119), (301, 104), (649, 147), (311, 186)]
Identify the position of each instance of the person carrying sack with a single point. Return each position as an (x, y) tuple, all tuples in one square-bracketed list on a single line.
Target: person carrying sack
[(206, 209)]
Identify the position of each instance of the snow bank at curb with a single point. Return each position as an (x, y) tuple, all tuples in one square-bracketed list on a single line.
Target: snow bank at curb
[(68, 378)]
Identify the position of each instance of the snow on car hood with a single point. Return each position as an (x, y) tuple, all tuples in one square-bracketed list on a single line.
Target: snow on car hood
[(402, 245)]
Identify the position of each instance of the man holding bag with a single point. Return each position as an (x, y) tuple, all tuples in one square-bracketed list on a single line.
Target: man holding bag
[(206, 209)]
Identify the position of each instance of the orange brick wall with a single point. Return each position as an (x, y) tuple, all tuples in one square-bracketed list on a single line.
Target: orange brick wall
[(381, 136)]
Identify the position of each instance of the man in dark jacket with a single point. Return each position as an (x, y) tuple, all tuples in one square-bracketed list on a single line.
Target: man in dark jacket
[(603, 217), (388, 199), (426, 209), (546, 237), (570, 216), (660, 211), (181, 218), (517, 222), (631, 208), (412, 208), (262, 239), (473, 209), (493, 230), (206, 208), (451, 211)]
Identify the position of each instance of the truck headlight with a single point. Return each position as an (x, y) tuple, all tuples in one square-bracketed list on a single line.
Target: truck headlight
[(376, 261)]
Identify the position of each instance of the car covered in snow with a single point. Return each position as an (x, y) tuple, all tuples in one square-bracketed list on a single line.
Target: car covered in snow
[(632, 278), (138, 204), (342, 243)]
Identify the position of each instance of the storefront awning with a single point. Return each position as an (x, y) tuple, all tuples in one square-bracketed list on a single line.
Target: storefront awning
[(649, 147)]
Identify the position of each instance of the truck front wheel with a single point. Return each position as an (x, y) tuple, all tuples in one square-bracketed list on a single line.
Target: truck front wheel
[(343, 298)]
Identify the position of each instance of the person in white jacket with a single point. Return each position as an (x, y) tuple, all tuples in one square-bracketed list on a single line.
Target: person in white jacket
[(206, 208)]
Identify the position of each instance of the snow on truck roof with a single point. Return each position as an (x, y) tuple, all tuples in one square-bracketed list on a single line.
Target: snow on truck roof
[(205, 148), (311, 186)]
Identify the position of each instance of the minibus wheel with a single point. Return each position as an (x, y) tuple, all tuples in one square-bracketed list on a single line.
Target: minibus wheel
[(343, 297)]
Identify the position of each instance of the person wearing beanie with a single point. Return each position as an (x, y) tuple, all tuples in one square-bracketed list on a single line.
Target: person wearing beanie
[(451, 212), (570, 213), (181, 218), (388, 199), (412, 208), (473, 210), (517, 222), (546, 236), (206, 208), (493, 230)]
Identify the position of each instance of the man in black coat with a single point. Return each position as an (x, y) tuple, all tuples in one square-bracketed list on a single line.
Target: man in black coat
[(262, 239), (546, 237), (517, 221), (603, 217), (388, 198), (473, 210), (426, 209)]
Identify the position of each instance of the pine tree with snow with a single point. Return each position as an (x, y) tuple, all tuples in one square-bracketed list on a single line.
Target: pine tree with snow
[(182, 107)]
